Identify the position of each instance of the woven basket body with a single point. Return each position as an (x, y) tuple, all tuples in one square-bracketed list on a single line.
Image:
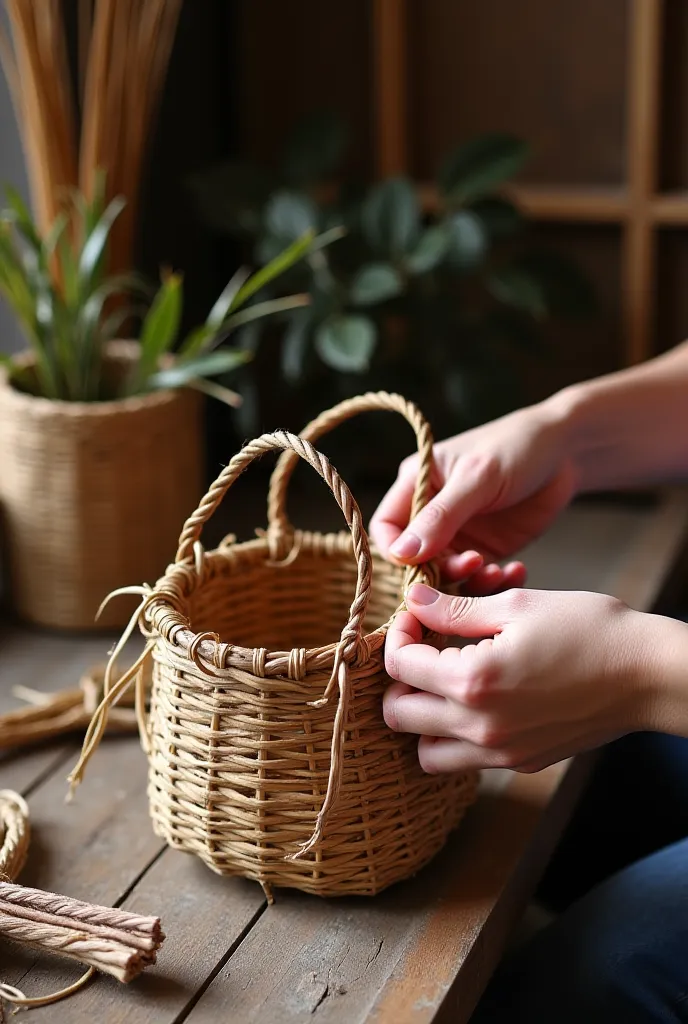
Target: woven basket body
[(268, 753), (91, 496)]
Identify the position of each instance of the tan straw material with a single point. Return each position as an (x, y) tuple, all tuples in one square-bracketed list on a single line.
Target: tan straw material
[(92, 494), (269, 756), (112, 941), (47, 716)]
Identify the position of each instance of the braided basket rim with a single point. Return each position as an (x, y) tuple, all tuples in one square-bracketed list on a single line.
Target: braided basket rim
[(163, 619), (162, 615)]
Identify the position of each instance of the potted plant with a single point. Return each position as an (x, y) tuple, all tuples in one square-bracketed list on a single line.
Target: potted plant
[(100, 443), (435, 295)]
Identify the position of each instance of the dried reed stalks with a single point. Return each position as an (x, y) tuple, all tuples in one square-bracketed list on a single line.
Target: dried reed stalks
[(124, 52)]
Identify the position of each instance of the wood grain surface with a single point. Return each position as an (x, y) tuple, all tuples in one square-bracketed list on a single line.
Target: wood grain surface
[(420, 952)]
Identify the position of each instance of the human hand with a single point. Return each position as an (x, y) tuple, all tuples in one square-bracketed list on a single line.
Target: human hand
[(494, 489), (479, 578), (558, 674)]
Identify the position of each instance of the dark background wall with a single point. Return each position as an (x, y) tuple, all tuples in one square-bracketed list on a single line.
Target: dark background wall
[(554, 73), (244, 70), (11, 169)]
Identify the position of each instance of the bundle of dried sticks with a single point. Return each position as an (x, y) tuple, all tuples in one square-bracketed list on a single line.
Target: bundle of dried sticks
[(124, 51), (113, 941)]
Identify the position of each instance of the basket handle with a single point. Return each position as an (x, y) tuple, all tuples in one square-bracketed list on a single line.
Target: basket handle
[(297, 447), (279, 525)]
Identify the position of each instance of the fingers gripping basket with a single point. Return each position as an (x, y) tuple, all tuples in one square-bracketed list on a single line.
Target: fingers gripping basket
[(268, 753)]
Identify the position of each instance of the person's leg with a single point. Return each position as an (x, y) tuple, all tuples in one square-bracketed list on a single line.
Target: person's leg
[(636, 803), (620, 954)]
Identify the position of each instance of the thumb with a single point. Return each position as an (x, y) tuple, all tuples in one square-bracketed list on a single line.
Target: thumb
[(457, 616), (470, 488)]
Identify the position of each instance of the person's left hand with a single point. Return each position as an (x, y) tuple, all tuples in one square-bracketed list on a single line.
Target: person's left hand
[(558, 673)]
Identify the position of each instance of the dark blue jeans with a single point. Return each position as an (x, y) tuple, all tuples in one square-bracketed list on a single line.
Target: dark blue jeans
[(618, 951)]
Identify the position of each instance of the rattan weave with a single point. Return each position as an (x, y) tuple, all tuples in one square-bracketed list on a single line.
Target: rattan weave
[(91, 496), (268, 753)]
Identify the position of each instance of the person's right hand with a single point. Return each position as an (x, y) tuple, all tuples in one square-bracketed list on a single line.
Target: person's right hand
[(495, 489)]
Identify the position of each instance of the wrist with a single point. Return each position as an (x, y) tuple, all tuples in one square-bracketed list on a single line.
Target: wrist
[(624, 429), (564, 413), (661, 674), (592, 431)]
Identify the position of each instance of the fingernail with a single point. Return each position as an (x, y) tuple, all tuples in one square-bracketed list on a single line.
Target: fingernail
[(406, 546), (422, 594)]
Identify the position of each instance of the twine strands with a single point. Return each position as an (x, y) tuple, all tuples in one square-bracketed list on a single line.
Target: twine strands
[(268, 754), (47, 716), (114, 692), (112, 941), (14, 834)]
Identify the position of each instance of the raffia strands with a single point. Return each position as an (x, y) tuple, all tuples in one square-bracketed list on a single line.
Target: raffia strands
[(112, 941), (268, 753), (124, 53)]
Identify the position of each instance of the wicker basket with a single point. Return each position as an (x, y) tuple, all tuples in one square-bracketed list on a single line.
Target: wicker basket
[(268, 753), (92, 494)]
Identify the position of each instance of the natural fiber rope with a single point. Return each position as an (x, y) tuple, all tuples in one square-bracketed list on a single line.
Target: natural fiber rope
[(14, 834), (280, 528), (343, 496), (104, 939)]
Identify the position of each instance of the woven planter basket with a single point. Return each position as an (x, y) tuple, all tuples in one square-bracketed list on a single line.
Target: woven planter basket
[(268, 753), (92, 494)]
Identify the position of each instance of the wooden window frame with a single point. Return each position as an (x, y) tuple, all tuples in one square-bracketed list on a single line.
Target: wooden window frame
[(637, 206)]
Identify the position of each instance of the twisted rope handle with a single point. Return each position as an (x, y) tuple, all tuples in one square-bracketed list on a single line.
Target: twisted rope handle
[(352, 635), (294, 447), (279, 526)]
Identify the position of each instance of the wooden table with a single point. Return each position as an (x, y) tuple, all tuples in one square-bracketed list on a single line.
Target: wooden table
[(422, 951)]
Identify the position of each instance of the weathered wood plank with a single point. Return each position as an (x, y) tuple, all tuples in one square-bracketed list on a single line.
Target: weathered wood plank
[(97, 847), (506, 844), (393, 958), (205, 917), (623, 551), (661, 542), (40, 661)]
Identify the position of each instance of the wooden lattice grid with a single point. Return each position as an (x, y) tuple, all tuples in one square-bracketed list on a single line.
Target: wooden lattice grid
[(636, 206)]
